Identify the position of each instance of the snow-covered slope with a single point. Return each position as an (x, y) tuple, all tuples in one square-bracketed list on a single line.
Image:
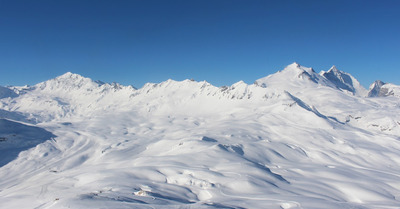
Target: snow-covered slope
[(6, 92), (16, 137), (294, 139)]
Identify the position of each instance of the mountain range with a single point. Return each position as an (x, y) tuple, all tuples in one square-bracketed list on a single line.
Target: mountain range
[(293, 139)]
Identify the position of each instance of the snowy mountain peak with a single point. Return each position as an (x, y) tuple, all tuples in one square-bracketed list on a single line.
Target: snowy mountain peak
[(291, 77), (239, 83), (69, 81), (69, 75), (334, 69), (294, 65), (343, 81), (378, 82), (381, 89), (375, 88), (295, 70)]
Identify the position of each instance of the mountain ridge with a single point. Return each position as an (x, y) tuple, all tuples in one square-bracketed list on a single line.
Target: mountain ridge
[(293, 139), (73, 94), (331, 78)]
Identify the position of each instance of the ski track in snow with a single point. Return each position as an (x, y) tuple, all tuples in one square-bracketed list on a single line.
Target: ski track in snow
[(294, 139)]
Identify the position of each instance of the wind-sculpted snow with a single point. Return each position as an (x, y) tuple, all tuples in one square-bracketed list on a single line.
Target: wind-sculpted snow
[(293, 139)]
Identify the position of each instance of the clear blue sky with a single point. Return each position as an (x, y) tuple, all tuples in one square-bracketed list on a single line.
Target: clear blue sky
[(221, 41)]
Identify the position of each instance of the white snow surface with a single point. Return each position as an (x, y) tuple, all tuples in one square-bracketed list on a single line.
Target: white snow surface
[(294, 139)]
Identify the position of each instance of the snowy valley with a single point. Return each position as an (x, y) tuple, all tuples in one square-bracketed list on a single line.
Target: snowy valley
[(293, 139)]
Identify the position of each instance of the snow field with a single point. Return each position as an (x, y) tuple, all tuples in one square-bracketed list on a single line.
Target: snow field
[(292, 140)]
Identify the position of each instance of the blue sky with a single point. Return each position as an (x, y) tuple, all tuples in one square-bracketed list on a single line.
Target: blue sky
[(221, 41)]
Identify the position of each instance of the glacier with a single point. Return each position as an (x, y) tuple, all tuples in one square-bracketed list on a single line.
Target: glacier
[(293, 139)]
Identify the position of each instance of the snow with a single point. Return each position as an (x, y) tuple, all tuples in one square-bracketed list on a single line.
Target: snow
[(381, 89), (6, 92), (16, 137), (375, 88), (344, 81), (294, 139)]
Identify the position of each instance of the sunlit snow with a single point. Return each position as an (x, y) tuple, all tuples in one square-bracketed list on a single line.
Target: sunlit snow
[(294, 139)]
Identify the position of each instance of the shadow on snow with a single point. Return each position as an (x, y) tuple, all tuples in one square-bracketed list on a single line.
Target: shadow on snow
[(17, 137)]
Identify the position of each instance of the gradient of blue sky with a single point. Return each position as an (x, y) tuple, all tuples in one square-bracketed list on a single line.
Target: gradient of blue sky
[(221, 41)]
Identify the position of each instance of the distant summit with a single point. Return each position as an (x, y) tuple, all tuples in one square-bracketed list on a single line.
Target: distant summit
[(381, 89), (295, 77), (375, 88), (344, 81), (292, 76), (341, 79), (68, 81)]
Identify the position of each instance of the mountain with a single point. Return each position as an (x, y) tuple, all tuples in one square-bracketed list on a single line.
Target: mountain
[(293, 139), (375, 88), (296, 77), (293, 77), (344, 81), (381, 89), (67, 95), (6, 92)]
